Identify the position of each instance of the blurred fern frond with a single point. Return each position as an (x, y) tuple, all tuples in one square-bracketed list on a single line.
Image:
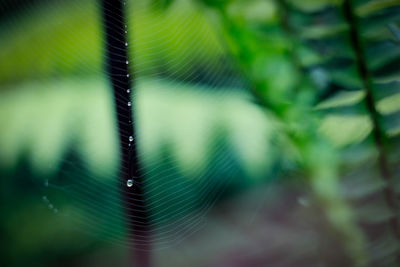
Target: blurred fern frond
[(342, 56)]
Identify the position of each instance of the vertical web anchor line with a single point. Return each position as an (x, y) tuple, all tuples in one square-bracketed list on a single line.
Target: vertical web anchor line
[(131, 179)]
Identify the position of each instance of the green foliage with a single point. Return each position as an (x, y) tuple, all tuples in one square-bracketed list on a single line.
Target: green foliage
[(325, 76), (352, 49), (161, 4)]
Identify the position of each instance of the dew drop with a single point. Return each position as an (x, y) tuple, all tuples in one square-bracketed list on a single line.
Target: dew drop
[(128, 91), (126, 31), (129, 183), (127, 75), (55, 210), (129, 104), (127, 62), (131, 138), (126, 44), (51, 206), (45, 199)]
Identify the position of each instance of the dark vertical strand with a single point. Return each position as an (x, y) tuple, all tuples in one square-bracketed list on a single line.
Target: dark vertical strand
[(378, 133), (117, 61)]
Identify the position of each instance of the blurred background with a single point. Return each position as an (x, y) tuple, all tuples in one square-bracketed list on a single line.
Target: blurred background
[(268, 133)]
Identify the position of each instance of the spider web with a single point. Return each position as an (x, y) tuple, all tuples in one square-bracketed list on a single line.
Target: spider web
[(197, 132)]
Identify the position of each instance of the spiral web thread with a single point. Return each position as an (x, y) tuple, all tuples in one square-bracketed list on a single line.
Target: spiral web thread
[(177, 201)]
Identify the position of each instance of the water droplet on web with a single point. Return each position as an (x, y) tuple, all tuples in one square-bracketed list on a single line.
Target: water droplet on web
[(55, 210), (127, 75), (129, 104), (128, 91), (129, 183), (51, 206), (126, 31), (127, 62), (126, 44), (45, 199), (131, 138)]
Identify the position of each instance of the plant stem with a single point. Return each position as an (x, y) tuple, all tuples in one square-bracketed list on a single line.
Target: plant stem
[(378, 133), (137, 217)]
